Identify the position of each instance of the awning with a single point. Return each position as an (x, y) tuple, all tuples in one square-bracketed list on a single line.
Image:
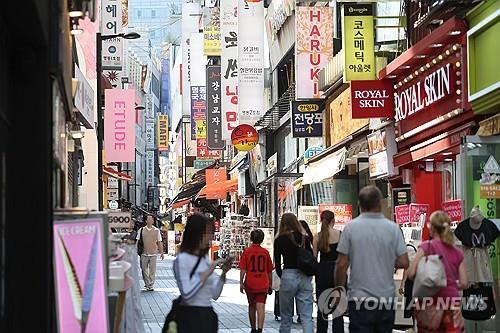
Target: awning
[(188, 192), (326, 167), (179, 204), (116, 174), (219, 190), (490, 126)]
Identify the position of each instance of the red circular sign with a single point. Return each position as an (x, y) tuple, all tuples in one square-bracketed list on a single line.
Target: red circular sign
[(244, 137)]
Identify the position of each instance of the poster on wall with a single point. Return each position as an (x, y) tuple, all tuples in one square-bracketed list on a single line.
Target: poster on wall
[(307, 118), (358, 42), (214, 121), (419, 213), (402, 214), (343, 212), (119, 125), (229, 66), (80, 275), (313, 49), (190, 17), (310, 214), (211, 31), (250, 60)]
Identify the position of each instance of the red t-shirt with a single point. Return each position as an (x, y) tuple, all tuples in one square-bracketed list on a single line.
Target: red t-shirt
[(257, 262)]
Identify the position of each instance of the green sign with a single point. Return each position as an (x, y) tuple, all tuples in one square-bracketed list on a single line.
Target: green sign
[(202, 164)]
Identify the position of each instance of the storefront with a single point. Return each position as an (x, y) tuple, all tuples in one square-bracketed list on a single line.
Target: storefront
[(432, 115)]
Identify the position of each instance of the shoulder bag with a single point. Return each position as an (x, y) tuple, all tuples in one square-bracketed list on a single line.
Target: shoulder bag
[(170, 320), (140, 243), (306, 261), (431, 275)]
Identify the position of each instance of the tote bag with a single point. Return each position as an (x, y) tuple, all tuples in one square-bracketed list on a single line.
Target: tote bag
[(430, 277)]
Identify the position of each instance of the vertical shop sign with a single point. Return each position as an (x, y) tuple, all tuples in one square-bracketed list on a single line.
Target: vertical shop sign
[(190, 19), (162, 132), (150, 134), (150, 171), (211, 31), (197, 80), (307, 119), (112, 49), (119, 125), (402, 214), (214, 123), (229, 66), (313, 49), (358, 42), (250, 60), (80, 275), (198, 110)]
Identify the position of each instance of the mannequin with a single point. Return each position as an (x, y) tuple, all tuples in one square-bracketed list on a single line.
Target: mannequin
[(476, 233)]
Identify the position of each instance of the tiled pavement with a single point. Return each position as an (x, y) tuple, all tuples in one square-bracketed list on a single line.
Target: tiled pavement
[(231, 306)]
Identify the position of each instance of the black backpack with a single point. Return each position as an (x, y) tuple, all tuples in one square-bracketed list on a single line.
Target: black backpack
[(140, 243)]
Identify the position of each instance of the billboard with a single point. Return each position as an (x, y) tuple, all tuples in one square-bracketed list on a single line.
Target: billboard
[(119, 125), (313, 49), (190, 19), (250, 60)]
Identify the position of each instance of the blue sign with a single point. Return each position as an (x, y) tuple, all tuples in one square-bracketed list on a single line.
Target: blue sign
[(311, 152), (165, 88), (307, 118)]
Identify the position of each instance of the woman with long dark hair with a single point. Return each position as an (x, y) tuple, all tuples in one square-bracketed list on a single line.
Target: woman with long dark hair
[(325, 247), (195, 277), (294, 283)]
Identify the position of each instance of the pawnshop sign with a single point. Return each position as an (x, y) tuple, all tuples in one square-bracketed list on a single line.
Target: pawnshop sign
[(372, 99), (119, 125)]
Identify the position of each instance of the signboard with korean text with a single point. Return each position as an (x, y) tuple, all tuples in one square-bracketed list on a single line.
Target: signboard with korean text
[(372, 99), (150, 168), (343, 212), (310, 214), (198, 109), (80, 261), (202, 164), (111, 24), (454, 209), (150, 134), (307, 118), (162, 132), (84, 99), (402, 214), (190, 18), (202, 150), (214, 176), (214, 121), (150, 112), (250, 61), (358, 42), (119, 125), (313, 48), (211, 31), (229, 65)]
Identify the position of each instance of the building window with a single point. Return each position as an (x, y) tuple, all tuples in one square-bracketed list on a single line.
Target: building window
[(139, 13), (153, 13)]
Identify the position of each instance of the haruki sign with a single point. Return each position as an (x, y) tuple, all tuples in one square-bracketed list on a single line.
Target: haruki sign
[(372, 99)]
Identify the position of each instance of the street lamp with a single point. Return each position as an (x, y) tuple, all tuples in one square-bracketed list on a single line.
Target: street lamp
[(100, 115)]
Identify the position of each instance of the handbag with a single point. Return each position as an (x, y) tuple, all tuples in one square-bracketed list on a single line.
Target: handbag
[(140, 244), (306, 261), (170, 325), (275, 285), (430, 277), (478, 302)]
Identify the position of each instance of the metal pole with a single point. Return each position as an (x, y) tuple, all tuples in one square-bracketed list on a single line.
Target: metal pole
[(100, 121)]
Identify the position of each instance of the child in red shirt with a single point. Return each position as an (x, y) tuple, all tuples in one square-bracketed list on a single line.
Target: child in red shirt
[(255, 279)]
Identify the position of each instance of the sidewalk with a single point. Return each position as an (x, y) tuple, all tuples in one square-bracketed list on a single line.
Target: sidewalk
[(231, 306)]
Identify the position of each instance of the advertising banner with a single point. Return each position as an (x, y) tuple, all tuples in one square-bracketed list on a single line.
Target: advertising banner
[(310, 214), (454, 209), (229, 66), (377, 151), (198, 110), (80, 276), (372, 99), (171, 242), (211, 31), (358, 42), (313, 49), (150, 134), (84, 99), (307, 118), (150, 168), (162, 132), (190, 17), (343, 212), (402, 214), (250, 61), (419, 213), (119, 125), (214, 121)]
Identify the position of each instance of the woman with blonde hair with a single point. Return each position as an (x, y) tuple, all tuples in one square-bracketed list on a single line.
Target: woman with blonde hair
[(444, 314), (294, 283), (325, 247)]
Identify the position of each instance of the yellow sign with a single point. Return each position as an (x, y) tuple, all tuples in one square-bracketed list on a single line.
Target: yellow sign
[(201, 129), (162, 132), (308, 107), (358, 42), (211, 31)]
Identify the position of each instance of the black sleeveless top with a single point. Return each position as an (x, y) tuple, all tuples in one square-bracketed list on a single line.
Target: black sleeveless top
[(330, 255)]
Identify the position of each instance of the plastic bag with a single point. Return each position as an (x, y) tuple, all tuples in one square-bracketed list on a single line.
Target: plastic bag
[(276, 282)]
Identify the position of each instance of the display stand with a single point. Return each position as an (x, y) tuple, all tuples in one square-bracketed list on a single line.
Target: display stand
[(235, 236)]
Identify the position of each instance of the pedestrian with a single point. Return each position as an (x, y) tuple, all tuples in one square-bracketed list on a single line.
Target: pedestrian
[(294, 283), (150, 238), (441, 315), (256, 269), (195, 277), (325, 247), (406, 288), (372, 247)]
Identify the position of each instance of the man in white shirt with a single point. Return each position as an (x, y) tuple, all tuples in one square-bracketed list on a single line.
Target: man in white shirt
[(153, 245)]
